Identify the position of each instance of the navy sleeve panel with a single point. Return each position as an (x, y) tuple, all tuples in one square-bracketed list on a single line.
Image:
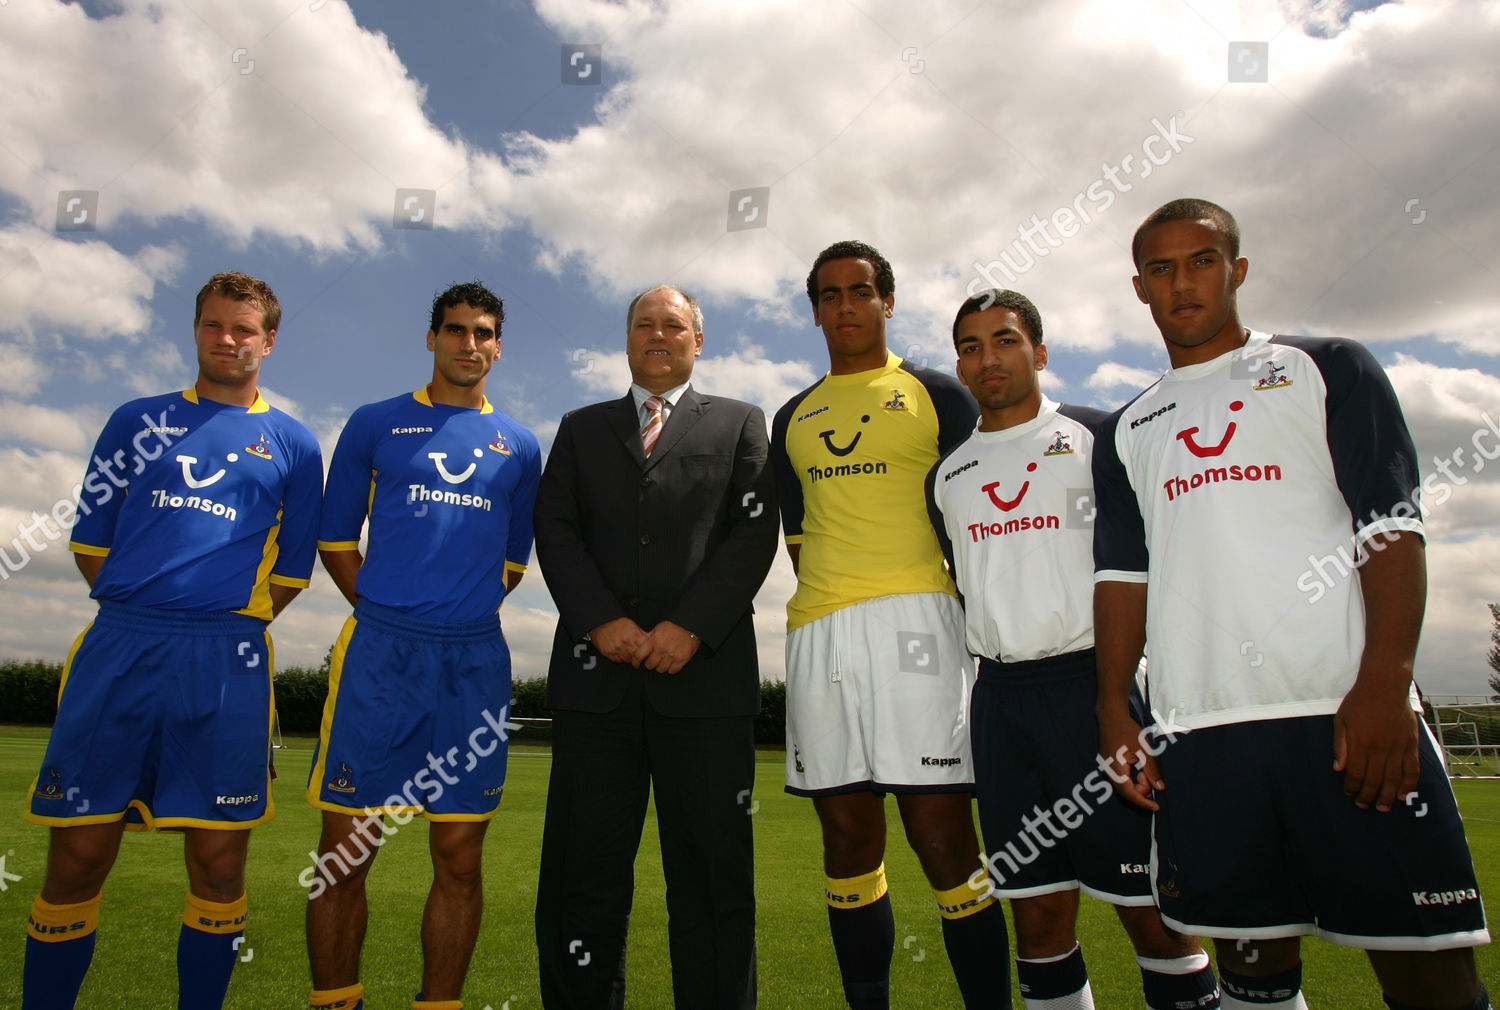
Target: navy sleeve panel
[(1091, 418), (1374, 459), (1119, 531), (956, 410), (788, 487), (934, 513)]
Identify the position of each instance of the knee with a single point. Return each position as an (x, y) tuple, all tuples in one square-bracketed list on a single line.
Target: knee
[(1256, 958), (848, 842), (459, 864), (944, 849)]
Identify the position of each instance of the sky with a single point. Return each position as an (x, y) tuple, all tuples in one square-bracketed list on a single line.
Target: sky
[(569, 153)]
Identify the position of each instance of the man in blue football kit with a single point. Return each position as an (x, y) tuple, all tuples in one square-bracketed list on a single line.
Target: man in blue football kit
[(419, 682), (1221, 490), (196, 526)]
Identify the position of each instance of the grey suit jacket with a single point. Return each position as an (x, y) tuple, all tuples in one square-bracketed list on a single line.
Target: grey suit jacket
[(686, 535)]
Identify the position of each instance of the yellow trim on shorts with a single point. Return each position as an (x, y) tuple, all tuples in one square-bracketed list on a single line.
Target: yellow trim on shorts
[(325, 728)]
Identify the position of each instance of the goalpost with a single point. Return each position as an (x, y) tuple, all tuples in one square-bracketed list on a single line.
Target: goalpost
[(1469, 735)]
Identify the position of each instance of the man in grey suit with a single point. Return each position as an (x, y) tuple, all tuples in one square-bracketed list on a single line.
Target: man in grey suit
[(656, 522)]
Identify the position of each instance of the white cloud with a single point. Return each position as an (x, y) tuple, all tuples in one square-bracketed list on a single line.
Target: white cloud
[(305, 136), (1110, 376), (86, 287), (35, 425), (941, 168)]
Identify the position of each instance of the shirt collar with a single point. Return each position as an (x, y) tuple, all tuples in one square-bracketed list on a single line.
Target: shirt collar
[(639, 394)]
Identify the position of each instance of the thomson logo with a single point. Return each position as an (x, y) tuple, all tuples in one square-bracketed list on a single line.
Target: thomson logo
[(411, 431), (1158, 412), (931, 762), (954, 473)]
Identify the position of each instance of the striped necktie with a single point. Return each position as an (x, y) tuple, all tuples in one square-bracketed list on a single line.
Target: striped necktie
[(652, 431)]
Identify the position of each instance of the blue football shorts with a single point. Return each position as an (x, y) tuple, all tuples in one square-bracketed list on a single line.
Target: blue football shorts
[(415, 720), (1050, 816), (1256, 840), (163, 719)]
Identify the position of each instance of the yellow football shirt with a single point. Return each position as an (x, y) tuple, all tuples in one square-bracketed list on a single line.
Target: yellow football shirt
[(852, 452)]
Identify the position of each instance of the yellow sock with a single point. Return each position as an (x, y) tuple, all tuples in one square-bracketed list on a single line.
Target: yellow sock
[(214, 916), (54, 923), (336, 999), (855, 892), (962, 901)]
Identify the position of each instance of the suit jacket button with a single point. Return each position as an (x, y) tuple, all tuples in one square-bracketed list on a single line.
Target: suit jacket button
[(634, 602), (645, 482), (645, 539)]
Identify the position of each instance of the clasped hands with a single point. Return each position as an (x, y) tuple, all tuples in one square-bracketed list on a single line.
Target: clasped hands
[(666, 648)]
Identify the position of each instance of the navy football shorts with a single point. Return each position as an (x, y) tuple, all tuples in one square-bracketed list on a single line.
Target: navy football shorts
[(415, 720), (163, 719), (1256, 840), (1051, 818)]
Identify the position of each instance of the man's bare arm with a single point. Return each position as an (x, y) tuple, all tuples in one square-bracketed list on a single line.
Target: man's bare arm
[(1375, 732), (281, 596), (343, 568), (89, 565), (1119, 639)]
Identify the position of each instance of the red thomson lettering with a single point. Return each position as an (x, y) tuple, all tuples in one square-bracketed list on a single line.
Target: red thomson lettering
[(1176, 487)]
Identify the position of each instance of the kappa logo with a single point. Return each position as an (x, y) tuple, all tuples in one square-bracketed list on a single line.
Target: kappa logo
[(1275, 378), (1001, 503), (1203, 451), (1158, 412), (344, 783), (438, 458), (1060, 445), (827, 437)]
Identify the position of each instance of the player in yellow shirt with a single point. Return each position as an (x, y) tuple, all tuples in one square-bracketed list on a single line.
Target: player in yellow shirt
[(878, 674)]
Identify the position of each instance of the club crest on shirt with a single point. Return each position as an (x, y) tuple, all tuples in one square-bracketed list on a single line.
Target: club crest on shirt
[(261, 448), (499, 444), (1060, 444), (896, 402), (344, 783), (1275, 378), (52, 790)]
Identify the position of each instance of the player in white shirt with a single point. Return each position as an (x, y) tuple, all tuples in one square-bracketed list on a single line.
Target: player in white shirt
[(1226, 492), (1012, 506)]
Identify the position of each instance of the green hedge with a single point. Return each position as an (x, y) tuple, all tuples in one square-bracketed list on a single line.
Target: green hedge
[(28, 694), (28, 691)]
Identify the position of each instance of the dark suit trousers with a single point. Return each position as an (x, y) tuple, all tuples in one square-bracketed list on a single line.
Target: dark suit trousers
[(603, 765)]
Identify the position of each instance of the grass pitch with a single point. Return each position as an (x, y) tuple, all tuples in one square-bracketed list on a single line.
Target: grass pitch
[(135, 964)]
